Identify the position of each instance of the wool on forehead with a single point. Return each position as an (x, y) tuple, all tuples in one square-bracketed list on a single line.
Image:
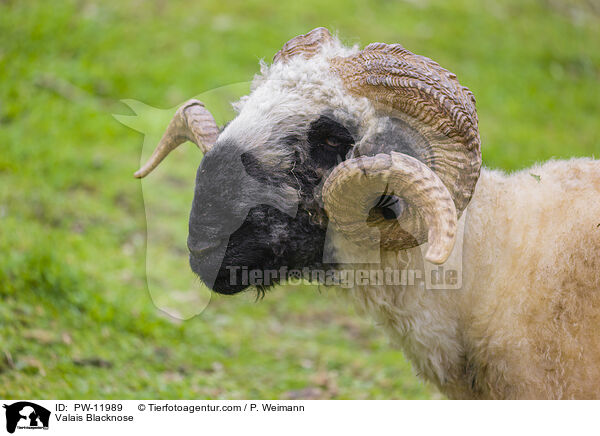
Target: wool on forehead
[(287, 96)]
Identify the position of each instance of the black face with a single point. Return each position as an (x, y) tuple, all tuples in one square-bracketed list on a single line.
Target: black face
[(245, 228)]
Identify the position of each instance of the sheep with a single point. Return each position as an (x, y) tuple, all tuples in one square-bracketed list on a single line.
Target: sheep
[(378, 153)]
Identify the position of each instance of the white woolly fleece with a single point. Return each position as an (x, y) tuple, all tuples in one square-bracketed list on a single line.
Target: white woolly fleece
[(286, 97)]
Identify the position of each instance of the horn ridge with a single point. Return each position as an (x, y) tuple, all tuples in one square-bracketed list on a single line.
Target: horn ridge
[(402, 79), (306, 45), (430, 99)]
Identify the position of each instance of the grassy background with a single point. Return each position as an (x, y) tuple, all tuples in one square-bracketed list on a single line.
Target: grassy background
[(76, 319)]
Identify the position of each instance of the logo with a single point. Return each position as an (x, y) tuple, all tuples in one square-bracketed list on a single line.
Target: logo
[(26, 415)]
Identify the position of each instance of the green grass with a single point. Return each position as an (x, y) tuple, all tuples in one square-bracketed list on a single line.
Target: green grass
[(76, 317)]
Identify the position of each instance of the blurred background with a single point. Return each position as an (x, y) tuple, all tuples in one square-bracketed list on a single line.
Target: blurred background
[(76, 317)]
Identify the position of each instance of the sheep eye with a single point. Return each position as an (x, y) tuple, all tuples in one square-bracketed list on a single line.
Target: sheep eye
[(332, 142), (329, 141)]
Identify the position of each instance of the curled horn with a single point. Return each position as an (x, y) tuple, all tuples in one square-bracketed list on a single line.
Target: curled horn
[(192, 122), (446, 152), (306, 45)]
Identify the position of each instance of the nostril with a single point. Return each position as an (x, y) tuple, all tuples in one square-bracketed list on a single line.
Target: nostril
[(200, 248)]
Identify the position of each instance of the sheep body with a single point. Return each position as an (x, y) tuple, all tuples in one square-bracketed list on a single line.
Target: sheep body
[(524, 323)]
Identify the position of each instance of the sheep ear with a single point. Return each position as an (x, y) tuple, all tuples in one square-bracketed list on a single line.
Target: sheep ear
[(306, 45)]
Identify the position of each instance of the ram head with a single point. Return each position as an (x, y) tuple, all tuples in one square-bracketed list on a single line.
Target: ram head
[(374, 139)]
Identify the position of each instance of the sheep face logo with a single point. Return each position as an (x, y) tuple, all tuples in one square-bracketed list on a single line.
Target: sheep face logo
[(26, 415)]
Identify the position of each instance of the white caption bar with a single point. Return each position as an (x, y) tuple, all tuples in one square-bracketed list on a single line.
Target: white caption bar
[(150, 417)]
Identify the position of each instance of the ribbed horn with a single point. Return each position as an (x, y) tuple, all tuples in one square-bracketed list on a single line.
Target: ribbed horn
[(354, 187), (439, 123), (306, 45)]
